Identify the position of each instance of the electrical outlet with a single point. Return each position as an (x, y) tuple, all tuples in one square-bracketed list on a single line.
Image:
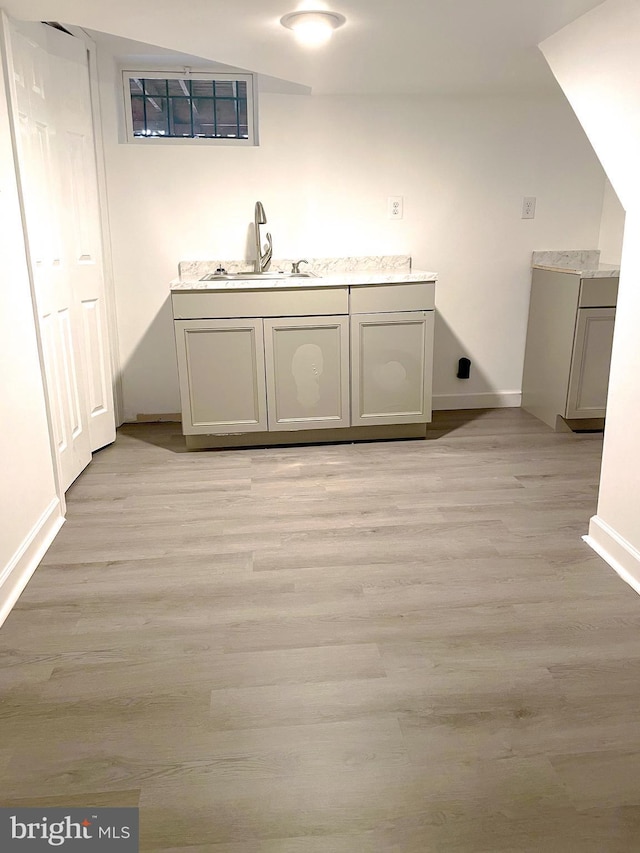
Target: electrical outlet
[(394, 207), (528, 207)]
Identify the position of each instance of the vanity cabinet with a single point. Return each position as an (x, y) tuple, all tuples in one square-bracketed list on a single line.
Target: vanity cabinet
[(304, 364), (391, 363), (568, 348)]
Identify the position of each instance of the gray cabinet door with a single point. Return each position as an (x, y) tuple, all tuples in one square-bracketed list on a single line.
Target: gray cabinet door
[(221, 370), (307, 366), (590, 364), (391, 366)]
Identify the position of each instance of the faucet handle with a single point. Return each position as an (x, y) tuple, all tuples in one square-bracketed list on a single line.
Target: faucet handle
[(295, 266), (265, 259)]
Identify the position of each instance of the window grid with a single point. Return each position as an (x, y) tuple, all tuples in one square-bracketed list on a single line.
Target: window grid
[(226, 103)]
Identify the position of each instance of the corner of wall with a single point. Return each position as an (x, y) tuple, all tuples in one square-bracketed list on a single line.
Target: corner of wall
[(614, 550), (16, 575), (611, 226)]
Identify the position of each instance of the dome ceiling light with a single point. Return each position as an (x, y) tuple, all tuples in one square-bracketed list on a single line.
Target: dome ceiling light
[(311, 27)]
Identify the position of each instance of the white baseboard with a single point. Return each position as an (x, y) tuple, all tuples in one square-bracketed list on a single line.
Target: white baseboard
[(615, 550), (165, 417), (16, 575), (483, 400)]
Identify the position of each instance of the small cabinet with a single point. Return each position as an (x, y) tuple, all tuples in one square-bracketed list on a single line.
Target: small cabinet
[(391, 360), (568, 347), (222, 375), (307, 365)]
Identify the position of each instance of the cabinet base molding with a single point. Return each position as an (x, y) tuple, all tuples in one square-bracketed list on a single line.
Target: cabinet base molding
[(162, 418), (307, 436), (615, 550), (17, 574), (480, 400), (579, 424)]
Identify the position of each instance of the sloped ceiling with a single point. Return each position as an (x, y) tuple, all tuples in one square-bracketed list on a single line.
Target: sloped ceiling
[(596, 61), (386, 46)]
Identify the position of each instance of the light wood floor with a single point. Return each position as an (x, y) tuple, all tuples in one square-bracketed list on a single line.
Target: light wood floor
[(395, 647)]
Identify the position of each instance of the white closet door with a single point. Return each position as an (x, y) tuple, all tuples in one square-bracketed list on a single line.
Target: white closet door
[(52, 113), (81, 226)]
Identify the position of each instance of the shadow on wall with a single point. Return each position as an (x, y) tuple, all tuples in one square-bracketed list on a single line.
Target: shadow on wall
[(150, 374), (474, 392)]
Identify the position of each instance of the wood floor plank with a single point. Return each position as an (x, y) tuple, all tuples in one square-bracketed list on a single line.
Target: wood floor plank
[(82, 799), (160, 756), (384, 647), (357, 800)]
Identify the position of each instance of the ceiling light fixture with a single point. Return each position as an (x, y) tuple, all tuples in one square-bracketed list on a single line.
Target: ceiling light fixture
[(313, 28)]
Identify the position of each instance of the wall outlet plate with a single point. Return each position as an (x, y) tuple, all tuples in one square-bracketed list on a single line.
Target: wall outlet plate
[(528, 207), (395, 207)]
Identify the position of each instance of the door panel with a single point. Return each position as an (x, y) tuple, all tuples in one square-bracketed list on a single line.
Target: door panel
[(48, 336), (221, 368), (70, 374), (81, 238), (391, 364), (307, 363), (590, 364), (56, 164), (34, 109), (81, 224), (93, 326)]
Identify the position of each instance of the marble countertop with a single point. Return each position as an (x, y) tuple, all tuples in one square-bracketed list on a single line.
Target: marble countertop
[(601, 271), (328, 272), (351, 279), (582, 262)]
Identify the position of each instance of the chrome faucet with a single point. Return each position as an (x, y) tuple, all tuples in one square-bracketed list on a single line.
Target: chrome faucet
[(262, 260)]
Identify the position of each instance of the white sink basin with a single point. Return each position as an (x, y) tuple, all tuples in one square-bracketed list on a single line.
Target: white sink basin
[(260, 276)]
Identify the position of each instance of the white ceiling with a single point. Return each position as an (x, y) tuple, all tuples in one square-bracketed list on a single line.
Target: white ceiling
[(386, 46)]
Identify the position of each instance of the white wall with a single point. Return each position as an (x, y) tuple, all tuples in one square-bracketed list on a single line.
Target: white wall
[(29, 509), (597, 62), (611, 227), (324, 169)]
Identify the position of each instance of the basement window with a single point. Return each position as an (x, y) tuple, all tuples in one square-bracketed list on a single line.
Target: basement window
[(194, 107)]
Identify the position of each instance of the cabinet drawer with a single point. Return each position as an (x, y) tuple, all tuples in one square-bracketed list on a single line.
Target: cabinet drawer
[(413, 296), (598, 293), (260, 303)]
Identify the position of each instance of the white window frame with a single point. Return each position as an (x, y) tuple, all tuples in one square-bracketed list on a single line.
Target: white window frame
[(172, 74)]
